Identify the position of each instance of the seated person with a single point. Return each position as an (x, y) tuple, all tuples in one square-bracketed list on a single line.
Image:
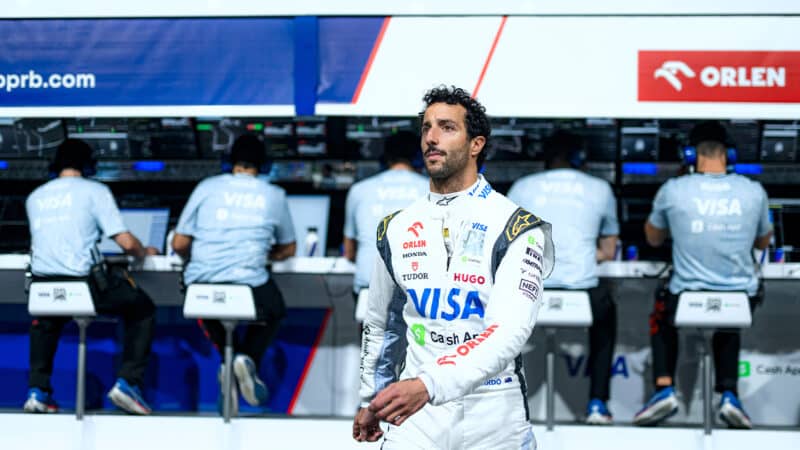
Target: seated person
[(66, 216), (705, 258), (230, 225)]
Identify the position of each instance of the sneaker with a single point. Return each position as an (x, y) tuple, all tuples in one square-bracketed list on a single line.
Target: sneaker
[(39, 401), (253, 389), (234, 394), (732, 413), (597, 413), (128, 398), (663, 405)]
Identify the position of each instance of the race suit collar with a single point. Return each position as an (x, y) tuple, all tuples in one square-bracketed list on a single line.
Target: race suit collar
[(446, 199)]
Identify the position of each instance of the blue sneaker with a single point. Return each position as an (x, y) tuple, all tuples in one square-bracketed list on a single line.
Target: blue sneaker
[(234, 394), (663, 405), (39, 401), (128, 398), (732, 413), (253, 389), (597, 413)]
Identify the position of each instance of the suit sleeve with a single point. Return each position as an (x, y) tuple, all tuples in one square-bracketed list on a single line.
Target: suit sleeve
[(383, 339), (510, 316)]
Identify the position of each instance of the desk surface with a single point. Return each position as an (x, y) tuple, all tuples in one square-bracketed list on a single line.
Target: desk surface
[(339, 265)]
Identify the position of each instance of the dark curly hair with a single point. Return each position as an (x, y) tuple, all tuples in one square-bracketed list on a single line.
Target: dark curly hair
[(476, 119)]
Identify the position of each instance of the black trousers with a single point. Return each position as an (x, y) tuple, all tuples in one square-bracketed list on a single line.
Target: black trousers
[(270, 310), (123, 298), (725, 343), (602, 339)]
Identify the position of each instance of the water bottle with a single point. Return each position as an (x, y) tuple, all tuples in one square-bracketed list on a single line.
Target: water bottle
[(780, 256), (312, 242)]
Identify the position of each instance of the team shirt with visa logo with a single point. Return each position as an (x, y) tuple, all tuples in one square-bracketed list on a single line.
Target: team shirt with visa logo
[(234, 220), (581, 209), (370, 200), (714, 220), (67, 216), (454, 295)]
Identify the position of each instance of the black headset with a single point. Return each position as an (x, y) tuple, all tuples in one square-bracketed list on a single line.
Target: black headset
[(688, 153)]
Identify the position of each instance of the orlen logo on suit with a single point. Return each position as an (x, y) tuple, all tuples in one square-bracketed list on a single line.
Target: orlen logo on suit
[(719, 76)]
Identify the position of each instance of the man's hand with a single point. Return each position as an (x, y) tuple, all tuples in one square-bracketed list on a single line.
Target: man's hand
[(150, 251), (366, 427), (399, 401)]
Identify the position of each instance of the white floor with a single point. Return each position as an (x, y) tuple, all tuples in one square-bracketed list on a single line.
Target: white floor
[(20, 431)]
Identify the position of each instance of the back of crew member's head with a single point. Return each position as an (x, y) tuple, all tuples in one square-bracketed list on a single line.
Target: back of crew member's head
[(401, 147), (248, 151), (563, 148), (709, 138), (72, 154), (476, 121)]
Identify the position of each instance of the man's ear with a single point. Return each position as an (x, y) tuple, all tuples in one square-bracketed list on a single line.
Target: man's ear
[(476, 145)]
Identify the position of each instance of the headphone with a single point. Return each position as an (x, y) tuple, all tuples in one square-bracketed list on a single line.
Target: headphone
[(688, 156), (226, 166), (577, 158), (711, 131), (88, 169)]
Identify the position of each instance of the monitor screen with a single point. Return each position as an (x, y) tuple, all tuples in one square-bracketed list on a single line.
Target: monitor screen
[(30, 138), (779, 142), (785, 217), (639, 141), (148, 225), (215, 135), (162, 138), (107, 136), (310, 211)]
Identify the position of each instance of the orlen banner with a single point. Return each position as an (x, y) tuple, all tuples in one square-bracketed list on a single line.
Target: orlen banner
[(719, 76), (689, 67)]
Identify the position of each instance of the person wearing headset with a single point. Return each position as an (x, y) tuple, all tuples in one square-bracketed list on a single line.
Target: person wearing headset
[(583, 211), (715, 218), (66, 217), (232, 225)]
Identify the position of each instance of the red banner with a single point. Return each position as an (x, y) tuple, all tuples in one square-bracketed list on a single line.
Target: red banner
[(719, 76)]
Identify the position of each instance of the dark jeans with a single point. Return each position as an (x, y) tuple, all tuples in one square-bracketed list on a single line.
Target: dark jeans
[(270, 310), (124, 299), (602, 338), (725, 344)]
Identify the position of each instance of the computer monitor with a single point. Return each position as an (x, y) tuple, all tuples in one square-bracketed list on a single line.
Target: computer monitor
[(310, 211), (149, 225), (785, 217)]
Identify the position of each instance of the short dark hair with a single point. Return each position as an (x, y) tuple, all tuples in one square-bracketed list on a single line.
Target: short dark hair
[(72, 154), (710, 138), (248, 150), (401, 147), (561, 146), (476, 119)]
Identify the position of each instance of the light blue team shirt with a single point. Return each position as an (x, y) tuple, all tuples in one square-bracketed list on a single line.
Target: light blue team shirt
[(714, 221), (580, 208), (66, 217), (369, 201), (234, 221)]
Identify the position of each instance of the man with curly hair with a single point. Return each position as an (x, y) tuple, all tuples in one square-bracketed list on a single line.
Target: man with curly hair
[(453, 297)]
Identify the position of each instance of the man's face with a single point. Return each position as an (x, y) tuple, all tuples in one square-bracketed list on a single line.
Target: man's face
[(446, 146)]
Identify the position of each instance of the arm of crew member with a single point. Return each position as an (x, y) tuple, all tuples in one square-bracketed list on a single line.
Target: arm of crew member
[(655, 236), (132, 246), (350, 247), (182, 244), (282, 251), (606, 248), (762, 242), (510, 315)]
